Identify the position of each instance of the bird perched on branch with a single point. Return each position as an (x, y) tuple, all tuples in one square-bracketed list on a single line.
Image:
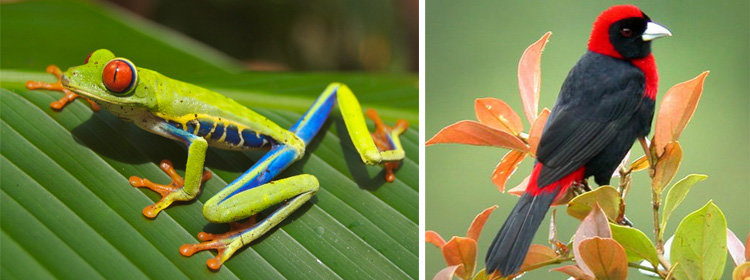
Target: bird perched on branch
[(605, 104)]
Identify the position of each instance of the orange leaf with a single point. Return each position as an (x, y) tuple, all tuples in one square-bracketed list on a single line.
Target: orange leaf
[(574, 271), (747, 247), (605, 257), (434, 238), (506, 167), (639, 164), (741, 272), (666, 166), (476, 226), (475, 133), (537, 254), (594, 225), (497, 114), (461, 250), (676, 109), (530, 76), (446, 273), (535, 134), (521, 188)]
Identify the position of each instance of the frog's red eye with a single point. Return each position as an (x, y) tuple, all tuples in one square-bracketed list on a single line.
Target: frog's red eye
[(87, 58), (119, 75)]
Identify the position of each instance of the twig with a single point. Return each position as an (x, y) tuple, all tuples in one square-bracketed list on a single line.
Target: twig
[(625, 182), (661, 273), (655, 202)]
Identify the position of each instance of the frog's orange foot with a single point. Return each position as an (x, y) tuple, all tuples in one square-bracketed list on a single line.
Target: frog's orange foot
[(69, 96), (225, 244), (169, 193), (382, 138)]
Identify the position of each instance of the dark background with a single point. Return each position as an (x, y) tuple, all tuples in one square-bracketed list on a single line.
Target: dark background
[(297, 35)]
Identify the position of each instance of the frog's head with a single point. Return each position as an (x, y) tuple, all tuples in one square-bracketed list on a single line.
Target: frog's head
[(109, 80)]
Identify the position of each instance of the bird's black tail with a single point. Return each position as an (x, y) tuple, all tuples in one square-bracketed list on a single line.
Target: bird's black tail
[(509, 247)]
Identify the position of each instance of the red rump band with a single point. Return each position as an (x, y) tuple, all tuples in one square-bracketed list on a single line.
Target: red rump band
[(562, 185)]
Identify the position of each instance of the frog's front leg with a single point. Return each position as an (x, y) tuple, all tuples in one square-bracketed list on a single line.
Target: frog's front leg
[(69, 96), (179, 189), (246, 196)]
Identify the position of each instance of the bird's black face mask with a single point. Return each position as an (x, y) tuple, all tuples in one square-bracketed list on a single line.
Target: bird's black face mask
[(625, 36)]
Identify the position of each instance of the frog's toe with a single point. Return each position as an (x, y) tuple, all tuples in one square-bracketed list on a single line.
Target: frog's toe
[(69, 96), (383, 137), (225, 244), (169, 193)]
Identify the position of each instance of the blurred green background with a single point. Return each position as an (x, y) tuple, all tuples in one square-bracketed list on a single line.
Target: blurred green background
[(472, 50)]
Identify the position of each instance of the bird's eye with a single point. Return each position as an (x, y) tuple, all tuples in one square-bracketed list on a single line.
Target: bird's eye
[(626, 32), (119, 76)]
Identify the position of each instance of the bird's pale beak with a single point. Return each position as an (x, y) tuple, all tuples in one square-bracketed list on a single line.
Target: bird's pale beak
[(655, 31)]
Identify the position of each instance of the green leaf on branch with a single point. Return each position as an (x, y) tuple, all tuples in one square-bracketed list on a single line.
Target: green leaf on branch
[(677, 194), (604, 257), (608, 198), (636, 244), (700, 244)]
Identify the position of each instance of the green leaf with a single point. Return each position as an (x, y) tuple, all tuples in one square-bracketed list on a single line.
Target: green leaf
[(700, 244), (67, 210), (636, 244), (607, 197), (677, 194)]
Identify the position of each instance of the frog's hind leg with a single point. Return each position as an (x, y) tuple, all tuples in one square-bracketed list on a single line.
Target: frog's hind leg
[(246, 196), (383, 146), (254, 191)]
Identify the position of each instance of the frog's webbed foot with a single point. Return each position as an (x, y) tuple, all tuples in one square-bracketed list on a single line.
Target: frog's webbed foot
[(169, 193), (69, 96), (225, 244), (383, 137)]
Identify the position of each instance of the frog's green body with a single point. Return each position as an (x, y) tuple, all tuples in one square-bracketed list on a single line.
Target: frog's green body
[(200, 118)]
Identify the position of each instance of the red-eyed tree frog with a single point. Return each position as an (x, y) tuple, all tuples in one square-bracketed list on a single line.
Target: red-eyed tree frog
[(200, 118)]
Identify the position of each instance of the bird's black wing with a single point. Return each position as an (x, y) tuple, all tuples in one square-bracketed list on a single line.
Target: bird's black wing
[(599, 97)]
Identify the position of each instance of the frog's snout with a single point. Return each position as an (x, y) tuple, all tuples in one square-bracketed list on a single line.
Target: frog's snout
[(64, 80)]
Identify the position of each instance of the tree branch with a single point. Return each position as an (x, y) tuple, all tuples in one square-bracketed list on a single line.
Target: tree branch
[(661, 273)]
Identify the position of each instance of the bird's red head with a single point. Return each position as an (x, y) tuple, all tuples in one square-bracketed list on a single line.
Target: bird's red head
[(624, 32)]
